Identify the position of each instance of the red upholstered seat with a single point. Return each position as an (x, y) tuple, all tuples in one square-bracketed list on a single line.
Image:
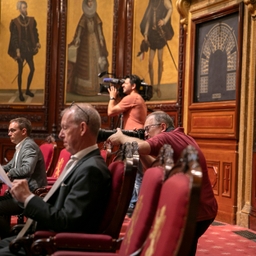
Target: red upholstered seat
[(104, 154), (174, 219), (138, 228), (117, 170), (123, 178), (48, 150), (144, 211), (64, 156), (174, 223)]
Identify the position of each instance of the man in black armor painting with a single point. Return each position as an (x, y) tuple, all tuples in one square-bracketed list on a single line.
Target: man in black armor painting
[(24, 44), (156, 29)]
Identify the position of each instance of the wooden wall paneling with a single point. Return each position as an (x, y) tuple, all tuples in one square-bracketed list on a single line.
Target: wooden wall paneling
[(213, 120), (215, 124), (7, 151), (221, 157), (251, 74), (252, 217)]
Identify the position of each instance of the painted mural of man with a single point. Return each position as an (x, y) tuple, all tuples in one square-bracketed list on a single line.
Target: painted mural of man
[(156, 29), (91, 51), (24, 44)]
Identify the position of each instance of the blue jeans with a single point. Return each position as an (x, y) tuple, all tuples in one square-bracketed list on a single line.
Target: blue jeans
[(136, 189)]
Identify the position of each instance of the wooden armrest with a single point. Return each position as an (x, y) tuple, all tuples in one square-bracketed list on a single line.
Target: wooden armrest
[(76, 241), (16, 229), (22, 242)]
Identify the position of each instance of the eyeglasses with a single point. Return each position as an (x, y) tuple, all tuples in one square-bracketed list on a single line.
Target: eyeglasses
[(74, 104), (147, 128), (12, 130)]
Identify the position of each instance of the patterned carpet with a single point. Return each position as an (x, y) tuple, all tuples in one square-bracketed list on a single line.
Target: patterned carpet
[(222, 239), (219, 239), (225, 239)]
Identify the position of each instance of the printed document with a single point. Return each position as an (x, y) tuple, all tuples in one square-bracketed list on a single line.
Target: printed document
[(3, 176)]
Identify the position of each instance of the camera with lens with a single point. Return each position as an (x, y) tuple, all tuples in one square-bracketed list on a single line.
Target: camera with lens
[(145, 90), (116, 82), (105, 134)]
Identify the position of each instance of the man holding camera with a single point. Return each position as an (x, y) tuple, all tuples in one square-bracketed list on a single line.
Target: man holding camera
[(132, 106), (134, 111), (160, 130)]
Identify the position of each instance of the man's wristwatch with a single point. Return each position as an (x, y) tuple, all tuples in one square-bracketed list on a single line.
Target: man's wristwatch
[(112, 98)]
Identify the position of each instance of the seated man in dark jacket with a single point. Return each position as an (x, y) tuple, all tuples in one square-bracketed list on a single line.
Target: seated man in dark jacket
[(78, 202), (27, 163)]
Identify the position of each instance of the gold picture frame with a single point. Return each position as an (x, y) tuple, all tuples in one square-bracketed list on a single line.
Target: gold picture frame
[(85, 61), (9, 93), (159, 71)]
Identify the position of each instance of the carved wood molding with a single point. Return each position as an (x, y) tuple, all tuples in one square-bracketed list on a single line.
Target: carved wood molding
[(183, 7), (251, 7)]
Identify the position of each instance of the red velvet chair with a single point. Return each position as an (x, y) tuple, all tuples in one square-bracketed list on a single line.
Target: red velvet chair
[(63, 158), (174, 223), (123, 177), (48, 150), (142, 219), (173, 229)]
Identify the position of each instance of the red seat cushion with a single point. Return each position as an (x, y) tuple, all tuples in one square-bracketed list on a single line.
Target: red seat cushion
[(144, 211), (62, 160), (48, 150), (117, 171)]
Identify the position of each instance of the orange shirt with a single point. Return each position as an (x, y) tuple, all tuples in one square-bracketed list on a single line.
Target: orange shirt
[(134, 111)]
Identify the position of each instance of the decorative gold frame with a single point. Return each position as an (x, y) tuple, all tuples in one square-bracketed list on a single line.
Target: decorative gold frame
[(167, 90), (37, 112), (74, 12)]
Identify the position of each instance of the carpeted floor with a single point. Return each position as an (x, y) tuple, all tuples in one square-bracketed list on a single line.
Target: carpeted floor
[(225, 239), (222, 239), (219, 239)]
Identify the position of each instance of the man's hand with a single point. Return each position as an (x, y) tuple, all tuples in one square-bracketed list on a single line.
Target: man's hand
[(20, 190), (112, 91), (116, 138)]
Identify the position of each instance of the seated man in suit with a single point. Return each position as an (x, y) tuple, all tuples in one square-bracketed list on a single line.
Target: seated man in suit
[(27, 163), (160, 130), (78, 202)]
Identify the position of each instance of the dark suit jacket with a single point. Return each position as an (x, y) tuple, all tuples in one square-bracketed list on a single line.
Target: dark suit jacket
[(79, 203), (30, 165)]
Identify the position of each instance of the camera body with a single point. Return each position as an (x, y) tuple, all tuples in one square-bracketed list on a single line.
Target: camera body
[(105, 134), (145, 90)]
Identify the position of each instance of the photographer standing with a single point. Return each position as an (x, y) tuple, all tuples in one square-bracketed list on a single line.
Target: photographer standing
[(134, 110), (132, 106)]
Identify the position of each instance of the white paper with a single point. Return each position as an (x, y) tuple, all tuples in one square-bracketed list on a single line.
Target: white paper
[(4, 177)]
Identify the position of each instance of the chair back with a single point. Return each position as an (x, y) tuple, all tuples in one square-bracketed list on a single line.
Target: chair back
[(146, 205), (64, 156), (48, 151), (123, 178), (104, 154), (173, 228), (144, 211)]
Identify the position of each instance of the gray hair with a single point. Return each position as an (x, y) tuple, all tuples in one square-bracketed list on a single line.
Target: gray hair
[(19, 3), (85, 112), (162, 117)]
